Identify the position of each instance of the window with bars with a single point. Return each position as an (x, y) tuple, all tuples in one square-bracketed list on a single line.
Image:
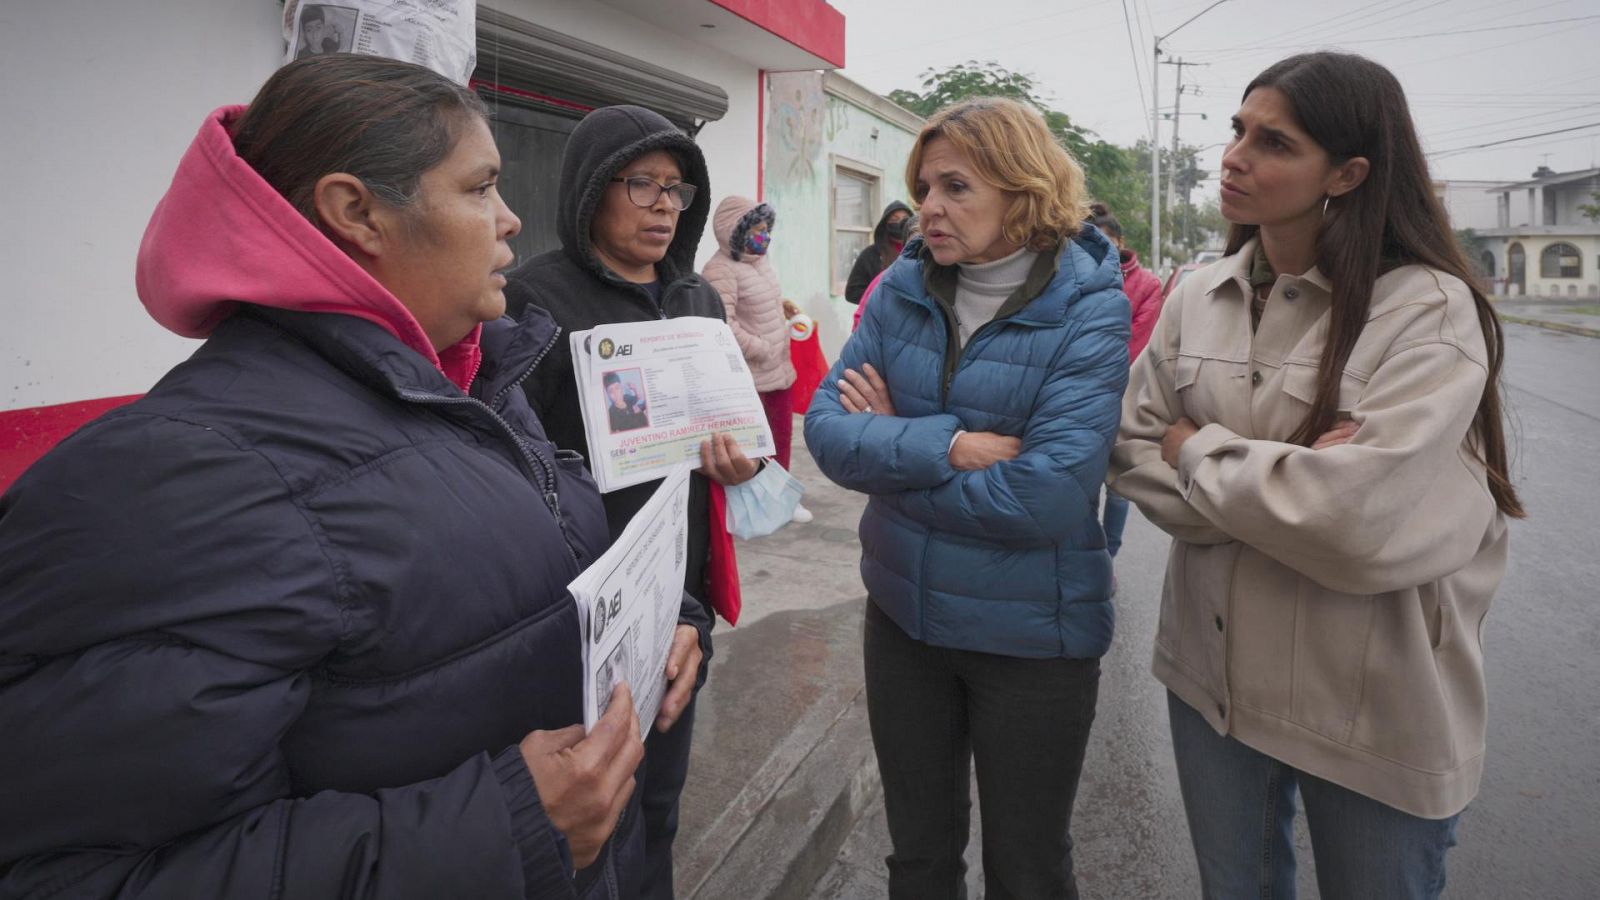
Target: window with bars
[(1560, 261)]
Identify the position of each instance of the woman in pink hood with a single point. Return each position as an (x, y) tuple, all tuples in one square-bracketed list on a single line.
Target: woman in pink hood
[(1144, 297), (757, 311), (295, 623)]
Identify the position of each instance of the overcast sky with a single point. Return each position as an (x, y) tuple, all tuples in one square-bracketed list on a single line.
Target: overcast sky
[(1502, 80)]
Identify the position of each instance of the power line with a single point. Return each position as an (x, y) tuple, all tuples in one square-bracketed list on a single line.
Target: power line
[(1427, 34), (1133, 54), (1525, 137)]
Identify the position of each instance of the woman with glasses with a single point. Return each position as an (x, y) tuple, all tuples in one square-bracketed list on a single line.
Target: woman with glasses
[(634, 199)]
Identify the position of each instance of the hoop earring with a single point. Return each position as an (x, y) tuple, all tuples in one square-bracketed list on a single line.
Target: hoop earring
[(1325, 199)]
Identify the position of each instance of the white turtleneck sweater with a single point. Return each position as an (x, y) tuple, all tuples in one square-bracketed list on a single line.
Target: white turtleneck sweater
[(982, 288)]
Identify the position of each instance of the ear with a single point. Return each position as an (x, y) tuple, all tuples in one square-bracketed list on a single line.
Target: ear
[(1348, 176), (350, 212)]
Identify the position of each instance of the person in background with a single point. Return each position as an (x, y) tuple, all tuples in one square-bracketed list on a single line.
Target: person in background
[(634, 198), (911, 231), (296, 622), (1144, 299), (975, 407), (757, 312), (1317, 423), (888, 236)]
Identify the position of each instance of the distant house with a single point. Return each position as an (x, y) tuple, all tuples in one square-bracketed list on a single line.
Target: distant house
[(835, 156), (1542, 245)]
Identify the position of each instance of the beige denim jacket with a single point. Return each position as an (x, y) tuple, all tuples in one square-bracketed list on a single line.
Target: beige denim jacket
[(1324, 607)]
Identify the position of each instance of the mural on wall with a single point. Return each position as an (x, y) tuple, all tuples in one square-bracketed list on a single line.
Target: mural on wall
[(795, 126)]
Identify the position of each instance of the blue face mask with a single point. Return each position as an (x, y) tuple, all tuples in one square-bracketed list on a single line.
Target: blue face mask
[(763, 504), (757, 242)]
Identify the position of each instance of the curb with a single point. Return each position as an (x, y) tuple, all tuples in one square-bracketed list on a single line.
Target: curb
[(792, 839), (1553, 326)]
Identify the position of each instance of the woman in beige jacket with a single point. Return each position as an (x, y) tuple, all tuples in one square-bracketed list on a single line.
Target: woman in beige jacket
[(757, 312), (1317, 423)]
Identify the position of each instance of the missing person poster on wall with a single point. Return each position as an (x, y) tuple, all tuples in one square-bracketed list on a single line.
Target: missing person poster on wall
[(439, 34)]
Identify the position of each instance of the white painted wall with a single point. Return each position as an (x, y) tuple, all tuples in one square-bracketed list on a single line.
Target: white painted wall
[(99, 102)]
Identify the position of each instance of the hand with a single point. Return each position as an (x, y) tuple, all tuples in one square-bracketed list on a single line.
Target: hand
[(867, 393), (1340, 433), (1172, 441), (683, 667), (722, 461), (975, 450), (584, 782), (789, 309)]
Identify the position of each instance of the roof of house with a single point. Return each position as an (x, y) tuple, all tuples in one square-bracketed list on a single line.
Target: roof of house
[(1548, 180)]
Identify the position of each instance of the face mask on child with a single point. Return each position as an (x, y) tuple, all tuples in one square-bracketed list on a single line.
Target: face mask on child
[(757, 242)]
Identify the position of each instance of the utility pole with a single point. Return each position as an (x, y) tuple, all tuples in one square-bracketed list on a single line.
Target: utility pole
[(1155, 137), (1177, 112)]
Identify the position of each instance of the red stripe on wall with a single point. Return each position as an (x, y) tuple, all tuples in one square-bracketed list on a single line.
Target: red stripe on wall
[(490, 86), (811, 25), (761, 134), (27, 434)]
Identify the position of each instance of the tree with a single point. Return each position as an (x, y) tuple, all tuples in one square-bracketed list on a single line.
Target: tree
[(1113, 177), (1117, 176), (1591, 211)]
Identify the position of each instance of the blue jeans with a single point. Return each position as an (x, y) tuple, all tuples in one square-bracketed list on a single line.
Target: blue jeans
[(1241, 808), (1116, 518)]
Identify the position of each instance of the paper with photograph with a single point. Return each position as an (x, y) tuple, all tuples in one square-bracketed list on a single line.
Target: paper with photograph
[(650, 392), (628, 604), (438, 34)]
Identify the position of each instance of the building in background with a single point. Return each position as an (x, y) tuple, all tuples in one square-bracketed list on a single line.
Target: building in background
[(835, 156), (1543, 244), (103, 98)]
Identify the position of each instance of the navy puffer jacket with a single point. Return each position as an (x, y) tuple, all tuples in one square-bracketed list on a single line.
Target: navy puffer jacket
[(276, 629), (1010, 559)]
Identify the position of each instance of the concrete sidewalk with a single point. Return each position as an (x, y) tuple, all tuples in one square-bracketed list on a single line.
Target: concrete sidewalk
[(1575, 316), (782, 763)]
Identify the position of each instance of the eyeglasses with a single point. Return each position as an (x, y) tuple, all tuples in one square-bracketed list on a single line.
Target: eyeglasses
[(643, 191)]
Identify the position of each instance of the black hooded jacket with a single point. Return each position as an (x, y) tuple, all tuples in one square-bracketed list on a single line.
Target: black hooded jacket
[(581, 292), (875, 257)]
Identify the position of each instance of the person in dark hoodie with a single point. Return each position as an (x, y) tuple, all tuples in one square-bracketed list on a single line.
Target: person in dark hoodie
[(887, 238), (634, 200), (296, 622)]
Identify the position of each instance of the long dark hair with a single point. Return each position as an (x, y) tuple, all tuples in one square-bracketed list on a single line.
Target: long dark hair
[(1351, 107), (384, 121)]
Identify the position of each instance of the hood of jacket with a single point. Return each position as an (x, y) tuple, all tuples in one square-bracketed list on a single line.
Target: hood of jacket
[(734, 218), (603, 143), (222, 236), (878, 235)]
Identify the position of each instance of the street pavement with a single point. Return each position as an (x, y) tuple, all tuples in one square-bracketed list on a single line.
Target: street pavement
[(1533, 832)]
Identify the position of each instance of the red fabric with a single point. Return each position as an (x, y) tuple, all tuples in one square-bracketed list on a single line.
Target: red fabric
[(810, 367), (722, 569), (1144, 297), (865, 296), (27, 434), (779, 406)]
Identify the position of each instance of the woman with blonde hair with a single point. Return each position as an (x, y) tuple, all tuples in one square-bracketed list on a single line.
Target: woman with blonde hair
[(976, 406)]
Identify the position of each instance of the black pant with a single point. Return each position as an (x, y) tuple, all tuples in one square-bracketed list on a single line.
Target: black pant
[(665, 769), (1024, 722)]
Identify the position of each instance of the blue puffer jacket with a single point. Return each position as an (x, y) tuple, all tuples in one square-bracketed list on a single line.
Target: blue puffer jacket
[(276, 629), (1010, 559)]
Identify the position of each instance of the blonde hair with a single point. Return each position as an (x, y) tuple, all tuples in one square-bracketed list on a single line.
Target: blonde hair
[(1010, 146)]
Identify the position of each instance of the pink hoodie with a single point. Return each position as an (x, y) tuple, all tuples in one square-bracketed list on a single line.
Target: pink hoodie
[(223, 236)]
